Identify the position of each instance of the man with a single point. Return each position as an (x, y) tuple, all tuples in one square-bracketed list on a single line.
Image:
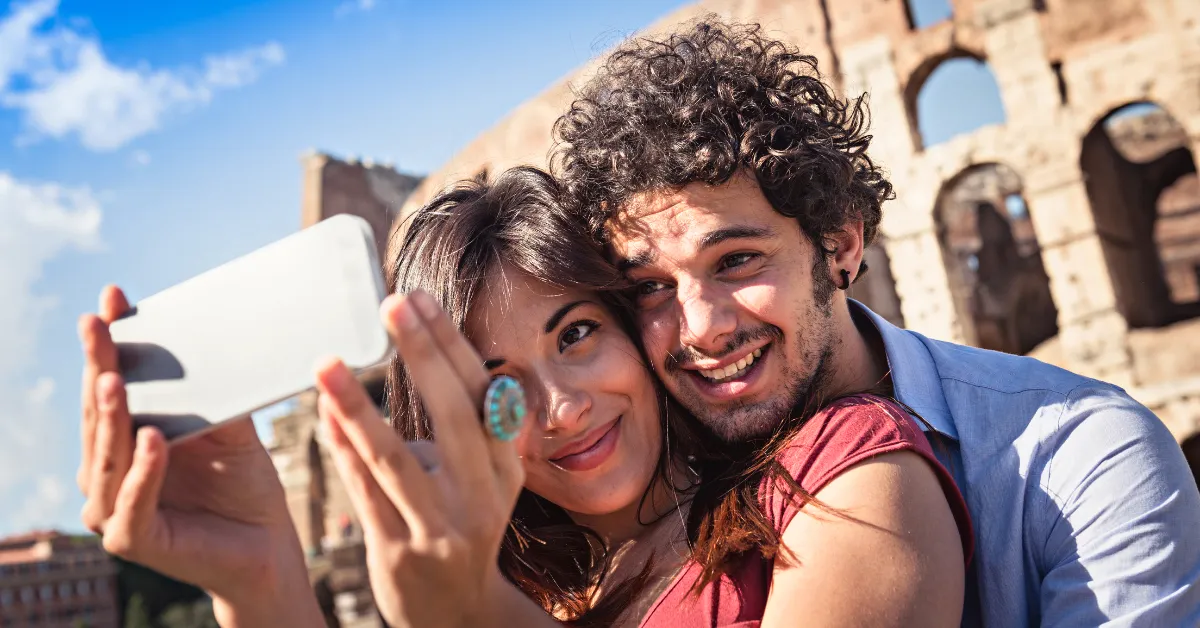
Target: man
[(735, 191)]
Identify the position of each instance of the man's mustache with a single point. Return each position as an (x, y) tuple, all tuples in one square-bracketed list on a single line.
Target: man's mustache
[(689, 355)]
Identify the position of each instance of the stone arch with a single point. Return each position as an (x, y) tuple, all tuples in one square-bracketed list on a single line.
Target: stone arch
[(1191, 451), (921, 95), (1000, 288), (1140, 176)]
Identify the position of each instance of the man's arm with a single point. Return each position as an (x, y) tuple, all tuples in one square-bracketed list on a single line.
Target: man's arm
[(1122, 523)]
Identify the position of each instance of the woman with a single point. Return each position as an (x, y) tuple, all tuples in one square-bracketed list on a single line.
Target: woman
[(612, 525)]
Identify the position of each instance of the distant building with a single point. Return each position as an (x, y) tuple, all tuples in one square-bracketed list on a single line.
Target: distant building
[(54, 580)]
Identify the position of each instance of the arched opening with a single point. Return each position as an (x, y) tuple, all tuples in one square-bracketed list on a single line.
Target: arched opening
[(876, 289), (952, 95), (926, 13), (1000, 287), (1191, 451), (1142, 186)]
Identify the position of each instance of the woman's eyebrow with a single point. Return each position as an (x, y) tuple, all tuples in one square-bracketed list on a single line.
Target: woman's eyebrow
[(558, 314)]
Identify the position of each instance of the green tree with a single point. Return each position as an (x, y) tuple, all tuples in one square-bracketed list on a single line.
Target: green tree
[(198, 614), (135, 613)]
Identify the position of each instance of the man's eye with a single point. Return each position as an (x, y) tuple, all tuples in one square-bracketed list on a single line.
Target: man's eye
[(648, 287), (575, 333), (737, 259)]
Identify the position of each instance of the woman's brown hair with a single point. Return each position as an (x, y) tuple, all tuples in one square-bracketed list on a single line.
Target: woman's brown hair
[(451, 248)]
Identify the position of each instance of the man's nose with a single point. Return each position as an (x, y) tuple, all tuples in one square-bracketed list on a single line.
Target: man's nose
[(706, 318)]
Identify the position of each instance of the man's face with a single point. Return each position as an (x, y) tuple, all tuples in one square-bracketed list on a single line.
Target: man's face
[(734, 303)]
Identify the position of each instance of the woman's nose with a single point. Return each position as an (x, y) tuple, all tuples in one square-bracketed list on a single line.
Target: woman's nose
[(566, 403)]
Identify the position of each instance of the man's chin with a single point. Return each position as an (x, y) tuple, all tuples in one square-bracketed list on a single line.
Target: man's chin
[(740, 425)]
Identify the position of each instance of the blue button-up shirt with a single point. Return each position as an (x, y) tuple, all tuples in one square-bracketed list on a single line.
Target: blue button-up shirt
[(1084, 508)]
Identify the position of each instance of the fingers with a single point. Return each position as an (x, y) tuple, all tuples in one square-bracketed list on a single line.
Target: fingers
[(112, 452), (453, 411), (100, 356), (376, 513), (113, 304), (461, 355), (469, 366), (134, 525), (387, 460)]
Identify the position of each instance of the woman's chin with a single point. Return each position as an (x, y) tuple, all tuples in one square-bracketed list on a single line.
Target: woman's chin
[(599, 499)]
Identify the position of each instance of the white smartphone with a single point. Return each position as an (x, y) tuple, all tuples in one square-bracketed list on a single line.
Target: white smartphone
[(249, 333)]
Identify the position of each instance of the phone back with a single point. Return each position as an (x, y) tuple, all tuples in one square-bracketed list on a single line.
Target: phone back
[(249, 333)]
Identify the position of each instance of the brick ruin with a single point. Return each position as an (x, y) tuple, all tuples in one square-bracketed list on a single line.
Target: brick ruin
[(1070, 232)]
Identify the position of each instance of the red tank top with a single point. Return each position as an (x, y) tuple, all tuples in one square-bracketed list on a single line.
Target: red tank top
[(841, 435)]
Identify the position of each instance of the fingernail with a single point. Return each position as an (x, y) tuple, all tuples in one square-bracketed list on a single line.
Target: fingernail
[(425, 305), (408, 315), (145, 436), (335, 377)]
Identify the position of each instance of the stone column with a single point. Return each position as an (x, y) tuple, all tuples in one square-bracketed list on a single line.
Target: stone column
[(1016, 54), (912, 246), (1092, 332)]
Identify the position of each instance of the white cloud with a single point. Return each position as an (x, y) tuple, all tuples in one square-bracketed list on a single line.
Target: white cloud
[(62, 83), (37, 223), (349, 6)]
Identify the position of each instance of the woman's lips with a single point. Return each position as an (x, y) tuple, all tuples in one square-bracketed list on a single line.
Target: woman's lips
[(591, 451)]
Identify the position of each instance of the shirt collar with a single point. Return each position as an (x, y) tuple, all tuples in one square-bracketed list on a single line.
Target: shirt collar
[(915, 376)]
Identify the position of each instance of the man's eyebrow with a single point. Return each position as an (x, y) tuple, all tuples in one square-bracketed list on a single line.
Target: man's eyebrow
[(635, 261), (717, 236)]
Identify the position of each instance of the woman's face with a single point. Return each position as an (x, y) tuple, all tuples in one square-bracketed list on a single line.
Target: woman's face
[(595, 439)]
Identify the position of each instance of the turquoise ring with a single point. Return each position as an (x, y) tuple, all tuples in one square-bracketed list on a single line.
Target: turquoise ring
[(504, 408)]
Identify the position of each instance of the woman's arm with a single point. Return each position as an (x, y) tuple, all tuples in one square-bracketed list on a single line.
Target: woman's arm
[(894, 557)]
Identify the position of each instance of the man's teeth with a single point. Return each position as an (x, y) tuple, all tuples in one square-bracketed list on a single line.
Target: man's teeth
[(737, 369)]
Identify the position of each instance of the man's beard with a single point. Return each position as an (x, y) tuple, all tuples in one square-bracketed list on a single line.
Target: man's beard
[(751, 423)]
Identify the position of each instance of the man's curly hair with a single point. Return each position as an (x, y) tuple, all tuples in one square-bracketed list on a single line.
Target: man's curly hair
[(702, 105), (705, 103)]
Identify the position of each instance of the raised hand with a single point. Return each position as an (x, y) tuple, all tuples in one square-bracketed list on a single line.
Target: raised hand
[(433, 515), (209, 511)]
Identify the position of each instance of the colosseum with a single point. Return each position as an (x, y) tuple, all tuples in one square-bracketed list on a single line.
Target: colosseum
[(1070, 231)]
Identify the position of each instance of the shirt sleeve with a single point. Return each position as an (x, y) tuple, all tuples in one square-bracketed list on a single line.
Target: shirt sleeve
[(1121, 521), (846, 432)]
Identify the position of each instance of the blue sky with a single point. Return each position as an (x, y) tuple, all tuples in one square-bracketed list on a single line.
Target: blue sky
[(144, 142)]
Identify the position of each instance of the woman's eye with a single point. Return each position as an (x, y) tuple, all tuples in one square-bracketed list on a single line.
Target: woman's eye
[(576, 332), (736, 259)]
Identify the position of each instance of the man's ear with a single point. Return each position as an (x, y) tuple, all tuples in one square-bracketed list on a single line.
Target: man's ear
[(846, 246)]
